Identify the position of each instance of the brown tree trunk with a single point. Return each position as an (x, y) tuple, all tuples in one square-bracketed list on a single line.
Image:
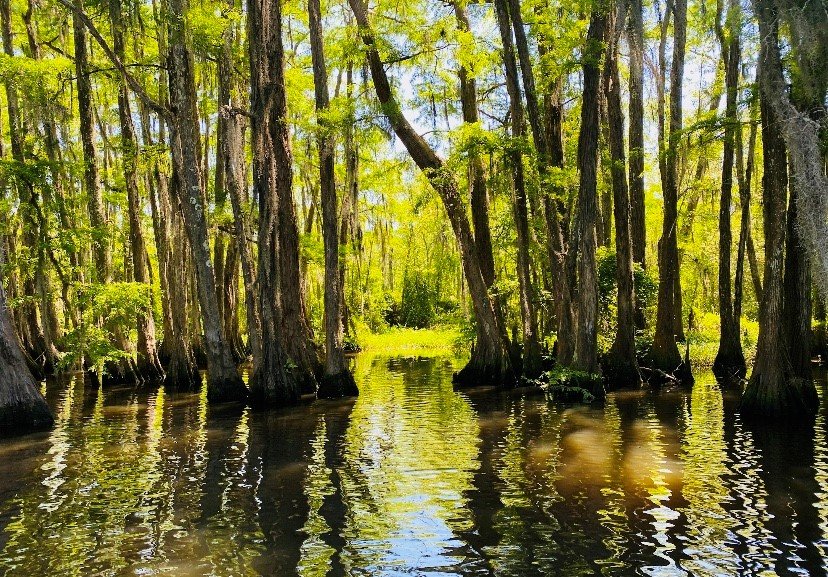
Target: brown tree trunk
[(531, 362), (797, 298), (337, 380), (490, 361), (730, 360), (548, 140), (148, 366), (223, 380), (22, 407), (771, 393), (745, 176), (102, 257), (638, 222), (294, 329), (479, 192), (229, 180), (272, 382), (665, 355), (621, 366), (585, 356)]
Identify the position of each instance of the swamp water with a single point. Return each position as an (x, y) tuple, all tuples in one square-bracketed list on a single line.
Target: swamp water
[(412, 478)]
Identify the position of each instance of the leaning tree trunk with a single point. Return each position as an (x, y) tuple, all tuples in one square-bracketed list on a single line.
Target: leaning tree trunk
[(22, 407), (620, 366), (490, 361), (531, 361), (665, 355), (771, 393), (148, 366), (730, 360), (272, 382), (223, 380), (337, 380), (585, 303)]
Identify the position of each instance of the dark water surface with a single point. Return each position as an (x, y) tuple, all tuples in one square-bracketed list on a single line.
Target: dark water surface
[(412, 479)]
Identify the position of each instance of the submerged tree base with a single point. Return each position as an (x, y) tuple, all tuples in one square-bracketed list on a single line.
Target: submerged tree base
[(619, 371), (485, 371), (337, 386), (781, 399), (730, 367), (226, 389), (25, 416)]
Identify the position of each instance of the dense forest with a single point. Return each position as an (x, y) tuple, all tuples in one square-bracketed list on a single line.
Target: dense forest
[(600, 193)]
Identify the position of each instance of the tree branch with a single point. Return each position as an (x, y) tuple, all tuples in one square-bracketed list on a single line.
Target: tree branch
[(131, 81)]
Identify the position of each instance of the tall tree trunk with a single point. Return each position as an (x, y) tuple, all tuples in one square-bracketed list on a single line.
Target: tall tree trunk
[(621, 366), (22, 407), (223, 380), (586, 298), (337, 380), (665, 355), (477, 175), (272, 382), (771, 393), (295, 330), (745, 176), (531, 362), (638, 222), (148, 366), (102, 257), (730, 360), (229, 181), (490, 361), (547, 138)]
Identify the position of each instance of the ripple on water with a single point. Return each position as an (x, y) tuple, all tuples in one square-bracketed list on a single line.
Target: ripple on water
[(412, 478)]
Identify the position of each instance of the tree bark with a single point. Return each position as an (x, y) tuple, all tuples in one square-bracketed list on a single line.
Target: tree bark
[(531, 361), (148, 366), (586, 296), (665, 355), (621, 366), (22, 407), (771, 393), (797, 296), (638, 222), (730, 360), (272, 382), (490, 362), (337, 380), (638, 216), (223, 380), (102, 256)]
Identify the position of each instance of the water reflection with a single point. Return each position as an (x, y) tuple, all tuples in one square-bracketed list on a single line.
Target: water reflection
[(412, 478)]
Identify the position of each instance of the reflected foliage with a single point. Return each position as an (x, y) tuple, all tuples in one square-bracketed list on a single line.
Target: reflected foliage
[(412, 478)]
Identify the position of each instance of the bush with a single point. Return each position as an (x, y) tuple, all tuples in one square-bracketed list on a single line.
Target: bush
[(417, 303)]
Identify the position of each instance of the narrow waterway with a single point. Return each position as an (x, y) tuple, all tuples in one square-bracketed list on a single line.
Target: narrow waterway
[(413, 478)]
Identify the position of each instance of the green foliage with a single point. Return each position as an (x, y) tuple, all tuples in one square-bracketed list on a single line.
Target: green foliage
[(417, 303), (568, 385), (108, 310)]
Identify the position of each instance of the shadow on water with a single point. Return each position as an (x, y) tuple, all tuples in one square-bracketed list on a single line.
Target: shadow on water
[(413, 478)]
